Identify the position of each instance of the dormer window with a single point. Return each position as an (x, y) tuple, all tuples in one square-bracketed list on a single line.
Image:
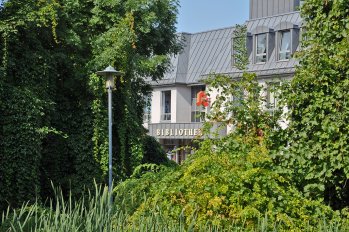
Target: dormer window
[(261, 48), (285, 45), (287, 40)]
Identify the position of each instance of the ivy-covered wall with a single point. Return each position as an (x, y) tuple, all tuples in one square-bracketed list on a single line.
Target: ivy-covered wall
[(53, 107), (318, 143)]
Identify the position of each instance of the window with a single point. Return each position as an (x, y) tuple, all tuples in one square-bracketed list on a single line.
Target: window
[(238, 97), (147, 109), (261, 48), (197, 112), (272, 96), (285, 45), (166, 106)]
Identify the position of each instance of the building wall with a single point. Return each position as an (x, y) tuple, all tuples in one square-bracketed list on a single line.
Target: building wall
[(155, 109), (183, 58), (183, 104), (174, 105), (264, 8), (156, 104), (180, 104)]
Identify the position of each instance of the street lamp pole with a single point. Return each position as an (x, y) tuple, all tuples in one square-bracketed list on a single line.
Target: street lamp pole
[(109, 73), (110, 142)]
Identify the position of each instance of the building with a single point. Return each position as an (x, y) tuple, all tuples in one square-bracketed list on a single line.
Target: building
[(273, 34)]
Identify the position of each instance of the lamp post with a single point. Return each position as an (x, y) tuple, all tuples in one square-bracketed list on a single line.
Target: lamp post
[(109, 73)]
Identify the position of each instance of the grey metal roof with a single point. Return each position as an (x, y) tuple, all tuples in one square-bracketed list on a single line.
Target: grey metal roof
[(210, 52), (203, 53)]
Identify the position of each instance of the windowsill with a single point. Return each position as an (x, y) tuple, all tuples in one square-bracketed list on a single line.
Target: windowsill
[(283, 60), (260, 63), (176, 123), (162, 121)]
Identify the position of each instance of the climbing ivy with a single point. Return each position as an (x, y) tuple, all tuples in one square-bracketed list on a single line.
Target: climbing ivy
[(53, 107), (25, 96), (317, 98)]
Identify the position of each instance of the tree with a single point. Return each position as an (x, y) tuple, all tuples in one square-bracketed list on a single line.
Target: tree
[(317, 98), (53, 119), (241, 101), (137, 41)]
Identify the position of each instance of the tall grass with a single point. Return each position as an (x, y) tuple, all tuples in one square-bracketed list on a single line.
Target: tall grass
[(90, 213), (93, 213)]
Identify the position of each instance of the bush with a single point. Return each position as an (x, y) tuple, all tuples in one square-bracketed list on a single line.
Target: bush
[(93, 213), (220, 187)]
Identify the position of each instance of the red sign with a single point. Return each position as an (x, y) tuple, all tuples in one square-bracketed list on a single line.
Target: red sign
[(202, 99)]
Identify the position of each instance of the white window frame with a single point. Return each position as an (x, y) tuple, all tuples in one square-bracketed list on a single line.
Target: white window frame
[(288, 52), (197, 113), (165, 114), (147, 109), (257, 55), (271, 98)]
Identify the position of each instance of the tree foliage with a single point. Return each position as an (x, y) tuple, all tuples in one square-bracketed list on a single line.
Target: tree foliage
[(241, 104), (53, 108), (317, 156), (240, 55), (136, 42)]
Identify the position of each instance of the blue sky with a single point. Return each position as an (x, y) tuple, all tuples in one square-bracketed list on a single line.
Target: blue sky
[(201, 15)]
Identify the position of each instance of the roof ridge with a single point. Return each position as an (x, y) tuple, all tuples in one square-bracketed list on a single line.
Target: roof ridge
[(211, 30), (271, 16)]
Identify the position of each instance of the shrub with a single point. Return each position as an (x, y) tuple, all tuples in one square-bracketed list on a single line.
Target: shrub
[(219, 187), (93, 213)]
